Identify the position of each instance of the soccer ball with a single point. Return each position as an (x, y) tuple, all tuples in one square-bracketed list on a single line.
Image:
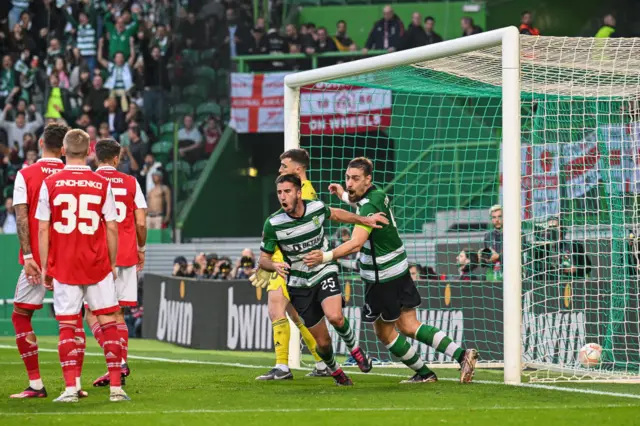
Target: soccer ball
[(589, 355)]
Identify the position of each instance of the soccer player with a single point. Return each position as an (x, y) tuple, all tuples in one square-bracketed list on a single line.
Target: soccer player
[(29, 290), (132, 236), (391, 296), (315, 293), (293, 161), (78, 242)]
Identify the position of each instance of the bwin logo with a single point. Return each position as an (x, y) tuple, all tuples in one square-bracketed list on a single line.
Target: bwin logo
[(175, 320)]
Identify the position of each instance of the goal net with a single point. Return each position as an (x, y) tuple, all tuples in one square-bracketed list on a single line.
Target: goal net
[(453, 136)]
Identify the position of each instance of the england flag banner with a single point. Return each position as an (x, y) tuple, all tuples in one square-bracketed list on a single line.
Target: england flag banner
[(257, 102)]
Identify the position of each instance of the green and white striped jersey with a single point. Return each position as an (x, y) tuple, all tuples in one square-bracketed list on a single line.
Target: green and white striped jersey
[(297, 237), (382, 257)]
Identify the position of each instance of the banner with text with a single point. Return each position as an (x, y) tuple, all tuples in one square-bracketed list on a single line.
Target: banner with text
[(257, 106)]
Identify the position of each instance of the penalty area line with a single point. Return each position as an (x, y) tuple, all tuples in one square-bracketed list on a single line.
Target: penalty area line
[(250, 366), (320, 409)]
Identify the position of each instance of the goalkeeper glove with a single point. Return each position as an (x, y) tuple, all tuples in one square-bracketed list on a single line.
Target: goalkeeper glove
[(260, 279)]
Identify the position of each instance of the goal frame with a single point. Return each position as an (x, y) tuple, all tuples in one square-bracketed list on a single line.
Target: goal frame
[(509, 39)]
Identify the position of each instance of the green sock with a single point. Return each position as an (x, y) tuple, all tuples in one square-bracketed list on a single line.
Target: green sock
[(329, 359), (347, 334), (438, 340), (408, 355)]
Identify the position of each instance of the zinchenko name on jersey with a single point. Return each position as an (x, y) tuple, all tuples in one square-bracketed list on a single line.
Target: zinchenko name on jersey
[(79, 183)]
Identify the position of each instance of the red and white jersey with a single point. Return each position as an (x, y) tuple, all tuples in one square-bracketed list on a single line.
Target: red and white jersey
[(26, 190), (128, 195), (77, 202)]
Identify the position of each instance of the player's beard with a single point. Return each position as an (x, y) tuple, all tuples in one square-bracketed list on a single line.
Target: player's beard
[(353, 196)]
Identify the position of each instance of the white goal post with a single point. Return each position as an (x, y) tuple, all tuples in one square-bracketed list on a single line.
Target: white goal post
[(509, 39)]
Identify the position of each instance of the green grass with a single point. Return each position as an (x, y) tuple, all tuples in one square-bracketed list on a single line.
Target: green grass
[(218, 388)]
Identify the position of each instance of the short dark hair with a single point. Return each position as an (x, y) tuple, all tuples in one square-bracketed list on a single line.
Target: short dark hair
[(107, 149), (526, 12), (20, 113), (291, 178), (429, 18), (53, 136), (342, 21), (297, 155), (362, 163), (322, 29)]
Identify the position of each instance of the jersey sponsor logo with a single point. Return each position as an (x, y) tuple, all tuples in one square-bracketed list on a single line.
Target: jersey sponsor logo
[(307, 244), (175, 320), (78, 183), (49, 170), (248, 325)]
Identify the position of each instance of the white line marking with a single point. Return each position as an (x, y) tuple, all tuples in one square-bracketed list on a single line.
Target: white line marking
[(238, 365), (311, 410)]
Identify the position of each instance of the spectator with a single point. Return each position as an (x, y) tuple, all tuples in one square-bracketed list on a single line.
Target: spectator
[(432, 36), (258, 46), (468, 27), (212, 131), (128, 163), (95, 100), (573, 261), (324, 43), (18, 7), (60, 69), (29, 142), (27, 25), (342, 40), (292, 38), (386, 33), (493, 240), (17, 129), (161, 38), (57, 101), (192, 32), (83, 122), (223, 270), (159, 203), (415, 35), (150, 167), (8, 218), (156, 85), (30, 157), (308, 38), (189, 137), (608, 30), (135, 144), (115, 118), (120, 80), (21, 40), (468, 264), (276, 45), (86, 45), (54, 51), (236, 35), (9, 87), (526, 24), (120, 35)]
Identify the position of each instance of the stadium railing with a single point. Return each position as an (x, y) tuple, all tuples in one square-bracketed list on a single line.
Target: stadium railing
[(244, 60)]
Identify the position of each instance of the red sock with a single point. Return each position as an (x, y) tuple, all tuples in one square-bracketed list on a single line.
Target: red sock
[(97, 333), (27, 344), (81, 344), (112, 351), (68, 353), (124, 339)]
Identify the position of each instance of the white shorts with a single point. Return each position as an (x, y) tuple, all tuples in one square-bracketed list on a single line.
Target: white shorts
[(28, 296), (101, 298), (127, 286)]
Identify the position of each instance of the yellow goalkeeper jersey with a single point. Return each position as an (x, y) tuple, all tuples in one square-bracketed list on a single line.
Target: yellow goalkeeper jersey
[(308, 193)]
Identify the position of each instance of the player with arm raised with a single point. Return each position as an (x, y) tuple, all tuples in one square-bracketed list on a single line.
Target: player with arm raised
[(293, 161), (132, 237), (78, 243), (391, 296), (297, 228), (30, 292)]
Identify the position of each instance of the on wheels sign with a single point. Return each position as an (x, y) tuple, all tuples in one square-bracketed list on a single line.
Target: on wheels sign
[(257, 106)]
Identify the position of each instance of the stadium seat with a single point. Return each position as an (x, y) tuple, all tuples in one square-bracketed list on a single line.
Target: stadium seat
[(198, 167), (180, 110), (205, 72), (207, 55), (191, 55), (166, 130), (205, 110), (7, 192), (194, 94), (183, 167), (162, 150), (189, 186)]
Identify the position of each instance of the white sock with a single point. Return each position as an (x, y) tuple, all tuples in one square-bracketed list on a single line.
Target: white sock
[(71, 389), (36, 384), (115, 388), (78, 385), (282, 367), (320, 365)]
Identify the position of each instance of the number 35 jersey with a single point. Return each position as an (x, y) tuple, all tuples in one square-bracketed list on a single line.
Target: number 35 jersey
[(128, 196), (77, 202)]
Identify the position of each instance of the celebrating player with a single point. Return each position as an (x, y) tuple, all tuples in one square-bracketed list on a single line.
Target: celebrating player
[(391, 296), (132, 236), (293, 161), (29, 290), (78, 242), (315, 293)]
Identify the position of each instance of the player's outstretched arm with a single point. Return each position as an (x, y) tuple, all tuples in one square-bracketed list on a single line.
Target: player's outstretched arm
[(338, 191), (376, 220), (359, 236)]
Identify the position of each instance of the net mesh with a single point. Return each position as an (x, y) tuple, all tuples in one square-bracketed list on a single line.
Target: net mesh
[(433, 132)]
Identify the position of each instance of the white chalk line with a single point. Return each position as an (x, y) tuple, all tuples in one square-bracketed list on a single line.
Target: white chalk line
[(239, 365)]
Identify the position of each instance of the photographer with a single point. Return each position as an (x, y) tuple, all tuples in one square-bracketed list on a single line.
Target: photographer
[(182, 268), (223, 268), (245, 266), (200, 266), (468, 262), (491, 253), (211, 266)]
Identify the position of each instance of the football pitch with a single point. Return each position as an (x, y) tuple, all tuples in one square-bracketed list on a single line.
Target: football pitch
[(170, 385)]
